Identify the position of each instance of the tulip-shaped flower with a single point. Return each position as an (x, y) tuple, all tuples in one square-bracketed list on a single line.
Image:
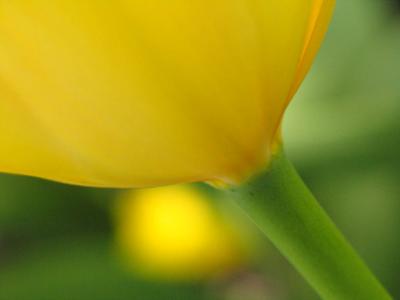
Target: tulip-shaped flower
[(134, 93), (149, 92)]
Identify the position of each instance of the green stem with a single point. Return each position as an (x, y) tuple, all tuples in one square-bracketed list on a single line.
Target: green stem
[(286, 211)]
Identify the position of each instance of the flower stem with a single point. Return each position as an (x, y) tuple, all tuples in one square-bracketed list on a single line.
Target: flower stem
[(286, 211)]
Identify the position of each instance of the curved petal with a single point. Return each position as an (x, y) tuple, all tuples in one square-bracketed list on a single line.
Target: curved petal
[(145, 92), (318, 25), (319, 22)]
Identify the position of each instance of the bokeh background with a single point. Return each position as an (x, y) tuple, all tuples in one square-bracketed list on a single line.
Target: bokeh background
[(342, 132)]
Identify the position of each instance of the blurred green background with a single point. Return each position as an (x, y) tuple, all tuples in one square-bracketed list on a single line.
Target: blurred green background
[(342, 132)]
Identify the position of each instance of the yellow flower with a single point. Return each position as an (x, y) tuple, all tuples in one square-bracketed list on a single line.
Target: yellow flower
[(149, 92), (174, 232)]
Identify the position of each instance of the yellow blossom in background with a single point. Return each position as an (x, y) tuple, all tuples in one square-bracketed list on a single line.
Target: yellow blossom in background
[(175, 233), (149, 92)]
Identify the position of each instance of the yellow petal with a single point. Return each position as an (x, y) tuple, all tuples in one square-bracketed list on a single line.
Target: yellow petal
[(319, 22), (318, 25), (147, 92)]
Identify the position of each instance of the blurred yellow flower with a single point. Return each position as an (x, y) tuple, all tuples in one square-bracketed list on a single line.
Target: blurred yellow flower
[(149, 92), (173, 232)]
